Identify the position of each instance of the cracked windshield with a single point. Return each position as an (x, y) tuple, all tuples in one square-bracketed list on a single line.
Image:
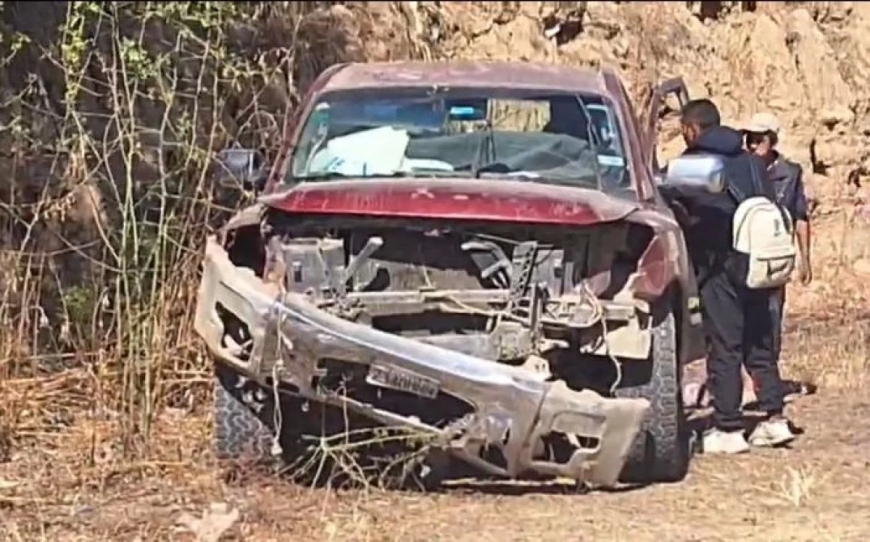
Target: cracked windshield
[(555, 138)]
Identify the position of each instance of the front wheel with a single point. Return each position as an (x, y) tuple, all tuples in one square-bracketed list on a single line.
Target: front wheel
[(241, 418), (661, 451)]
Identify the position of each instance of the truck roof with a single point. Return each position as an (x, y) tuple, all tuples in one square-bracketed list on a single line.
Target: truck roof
[(483, 74)]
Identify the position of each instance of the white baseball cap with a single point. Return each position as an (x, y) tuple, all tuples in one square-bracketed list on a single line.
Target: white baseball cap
[(761, 123)]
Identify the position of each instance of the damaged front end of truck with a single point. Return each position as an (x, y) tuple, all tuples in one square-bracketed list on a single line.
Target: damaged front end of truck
[(471, 342)]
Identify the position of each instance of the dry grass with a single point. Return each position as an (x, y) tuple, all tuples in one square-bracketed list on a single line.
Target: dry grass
[(59, 489)]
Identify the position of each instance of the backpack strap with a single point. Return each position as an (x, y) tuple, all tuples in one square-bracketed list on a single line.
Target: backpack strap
[(756, 182), (756, 178)]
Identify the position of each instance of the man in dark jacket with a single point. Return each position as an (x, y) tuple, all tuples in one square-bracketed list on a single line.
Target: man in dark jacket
[(738, 321), (762, 136)]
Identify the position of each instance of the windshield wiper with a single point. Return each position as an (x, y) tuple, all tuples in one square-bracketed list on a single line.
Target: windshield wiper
[(417, 172), (321, 176), (485, 148)]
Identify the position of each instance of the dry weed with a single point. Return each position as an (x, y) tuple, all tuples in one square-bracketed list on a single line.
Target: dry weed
[(798, 485), (215, 521)]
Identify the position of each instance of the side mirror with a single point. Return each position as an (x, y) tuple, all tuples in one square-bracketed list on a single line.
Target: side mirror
[(242, 166), (701, 171)]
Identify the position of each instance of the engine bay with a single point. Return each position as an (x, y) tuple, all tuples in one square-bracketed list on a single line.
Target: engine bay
[(504, 292)]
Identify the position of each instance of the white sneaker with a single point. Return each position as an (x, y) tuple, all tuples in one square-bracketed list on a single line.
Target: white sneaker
[(724, 442), (770, 433)]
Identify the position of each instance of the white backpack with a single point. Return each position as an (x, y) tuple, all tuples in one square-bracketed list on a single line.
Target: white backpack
[(765, 233)]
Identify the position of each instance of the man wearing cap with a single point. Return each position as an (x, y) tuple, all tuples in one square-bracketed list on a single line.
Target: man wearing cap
[(762, 135)]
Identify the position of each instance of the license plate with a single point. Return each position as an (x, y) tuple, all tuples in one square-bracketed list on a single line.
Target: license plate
[(403, 380)]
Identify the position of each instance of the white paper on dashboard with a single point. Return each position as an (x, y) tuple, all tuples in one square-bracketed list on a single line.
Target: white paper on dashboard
[(379, 151)]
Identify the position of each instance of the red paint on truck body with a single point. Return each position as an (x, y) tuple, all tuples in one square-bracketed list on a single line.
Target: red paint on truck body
[(454, 199)]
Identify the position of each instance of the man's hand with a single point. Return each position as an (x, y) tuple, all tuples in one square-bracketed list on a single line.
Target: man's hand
[(805, 272)]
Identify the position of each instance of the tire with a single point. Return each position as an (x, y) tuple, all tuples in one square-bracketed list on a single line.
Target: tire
[(661, 452), (240, 419)]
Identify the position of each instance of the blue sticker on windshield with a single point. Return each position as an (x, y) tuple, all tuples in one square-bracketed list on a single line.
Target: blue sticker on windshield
[(460, 111), (611, 161)]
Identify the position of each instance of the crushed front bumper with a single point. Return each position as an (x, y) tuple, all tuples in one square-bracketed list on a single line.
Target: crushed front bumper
[(514, 409)]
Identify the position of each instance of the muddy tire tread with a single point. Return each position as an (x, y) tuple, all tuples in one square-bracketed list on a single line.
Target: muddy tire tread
[(661, 451), (238, 431)]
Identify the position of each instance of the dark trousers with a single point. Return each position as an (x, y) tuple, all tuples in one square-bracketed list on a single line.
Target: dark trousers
[(741, 331), (777, 309)]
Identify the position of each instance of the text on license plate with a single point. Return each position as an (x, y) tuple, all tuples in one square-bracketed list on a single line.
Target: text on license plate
[(403, 380)]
